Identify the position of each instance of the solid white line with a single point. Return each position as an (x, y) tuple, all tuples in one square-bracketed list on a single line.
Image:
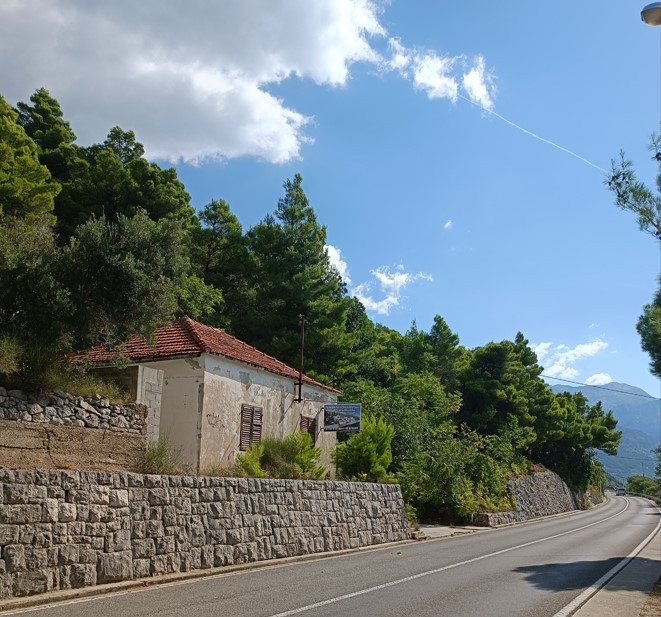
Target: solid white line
[(406, 579), (597, 585)]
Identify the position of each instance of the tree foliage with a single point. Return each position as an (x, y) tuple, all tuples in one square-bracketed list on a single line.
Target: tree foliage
[(366, 455), (634, 195), (26, 188)]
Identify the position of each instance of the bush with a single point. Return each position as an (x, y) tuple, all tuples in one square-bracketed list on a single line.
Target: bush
[(293, 457), (160, 458), (366, 455), (76, 380), (10, 356)]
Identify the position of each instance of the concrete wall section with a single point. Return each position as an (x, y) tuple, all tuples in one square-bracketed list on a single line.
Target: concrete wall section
[(33, 446), (67, 529), (149, 393), (181, 405), (228, 384)]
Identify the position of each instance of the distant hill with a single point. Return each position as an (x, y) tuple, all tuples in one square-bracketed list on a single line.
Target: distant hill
[(639, 419)]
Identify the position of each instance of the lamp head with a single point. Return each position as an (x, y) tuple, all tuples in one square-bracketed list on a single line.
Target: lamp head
[(651, 14)]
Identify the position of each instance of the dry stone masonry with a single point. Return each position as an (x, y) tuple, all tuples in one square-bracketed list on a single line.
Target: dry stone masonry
[(538, 494), (63, 409), (68, 529)]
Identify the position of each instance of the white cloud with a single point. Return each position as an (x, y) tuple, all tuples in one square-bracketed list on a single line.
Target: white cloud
[(541, 349), (598, 379), (390, 284), (335, 258), (190, 78), (194, 79), (479, 85), (448, 224), (561, 359), (441, 76)]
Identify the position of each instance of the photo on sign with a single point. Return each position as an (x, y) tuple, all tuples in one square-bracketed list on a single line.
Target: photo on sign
[(342, 417)]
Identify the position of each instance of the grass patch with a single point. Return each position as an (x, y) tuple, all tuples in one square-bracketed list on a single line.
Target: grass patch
[(161, 458), (81, 383)]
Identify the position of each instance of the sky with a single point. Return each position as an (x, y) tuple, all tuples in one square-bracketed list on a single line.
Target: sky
[(456, 152)]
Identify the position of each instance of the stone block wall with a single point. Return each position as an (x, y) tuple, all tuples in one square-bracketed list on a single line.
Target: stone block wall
[(68, 529), (63, 409), (536, 495)]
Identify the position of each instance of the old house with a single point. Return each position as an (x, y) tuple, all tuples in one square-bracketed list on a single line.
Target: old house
[(212, 395)]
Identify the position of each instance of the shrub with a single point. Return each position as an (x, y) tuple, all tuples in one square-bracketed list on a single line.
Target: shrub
[(76, 380), (10, 356), (366, 455), (160, 458), (293, 457), (248, 462)]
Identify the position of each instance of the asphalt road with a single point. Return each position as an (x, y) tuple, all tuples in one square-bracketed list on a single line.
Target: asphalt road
[(534, 569)]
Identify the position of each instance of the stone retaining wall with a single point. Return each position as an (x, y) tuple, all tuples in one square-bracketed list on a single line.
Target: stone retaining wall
[(536, 495), (67, 529), (63, 409)]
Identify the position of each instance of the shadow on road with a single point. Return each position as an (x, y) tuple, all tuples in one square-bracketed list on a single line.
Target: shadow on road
[(581, 574)]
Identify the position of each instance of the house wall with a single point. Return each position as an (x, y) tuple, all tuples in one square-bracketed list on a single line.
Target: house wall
[(228, 384), (180, 412), (144, 385), (150, 391)]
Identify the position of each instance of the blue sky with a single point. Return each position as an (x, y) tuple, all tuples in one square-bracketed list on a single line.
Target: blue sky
[(436, 205)]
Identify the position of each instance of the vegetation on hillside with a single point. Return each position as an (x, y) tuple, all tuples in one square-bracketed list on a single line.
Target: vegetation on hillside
[(98, 244)]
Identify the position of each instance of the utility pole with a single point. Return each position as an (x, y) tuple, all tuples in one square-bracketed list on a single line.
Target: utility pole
[(301, 327)]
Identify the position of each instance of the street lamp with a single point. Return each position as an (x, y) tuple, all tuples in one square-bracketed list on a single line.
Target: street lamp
[(651, 14)]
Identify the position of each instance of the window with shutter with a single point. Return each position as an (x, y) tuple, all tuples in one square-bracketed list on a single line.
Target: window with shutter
[(310, 426), (251, 426)]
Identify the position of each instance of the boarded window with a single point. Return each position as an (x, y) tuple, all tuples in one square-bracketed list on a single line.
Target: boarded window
[(251, 426), (309, 425)]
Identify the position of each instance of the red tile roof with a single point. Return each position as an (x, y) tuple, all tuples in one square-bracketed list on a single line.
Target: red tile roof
[(187, 337)]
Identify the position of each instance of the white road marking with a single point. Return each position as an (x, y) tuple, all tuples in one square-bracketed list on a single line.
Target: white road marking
[(581, 599), (407, 579)]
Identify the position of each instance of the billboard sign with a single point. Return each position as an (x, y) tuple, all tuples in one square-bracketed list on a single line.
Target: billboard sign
[(342, 417)]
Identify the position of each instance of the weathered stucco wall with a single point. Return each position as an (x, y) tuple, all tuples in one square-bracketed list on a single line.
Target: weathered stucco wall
[(150, 392), (67, 529), (536, 495), (229, 384), (181, 400)]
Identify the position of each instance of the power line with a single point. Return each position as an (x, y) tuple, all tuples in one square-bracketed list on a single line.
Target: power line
[(580, 383)]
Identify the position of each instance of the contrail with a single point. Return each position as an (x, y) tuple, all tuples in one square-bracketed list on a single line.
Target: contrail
[(527, 132)]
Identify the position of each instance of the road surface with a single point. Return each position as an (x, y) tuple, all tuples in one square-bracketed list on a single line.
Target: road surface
[(536, 569)]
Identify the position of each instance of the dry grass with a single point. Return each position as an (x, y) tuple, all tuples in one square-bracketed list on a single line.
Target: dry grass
[(653, 606)]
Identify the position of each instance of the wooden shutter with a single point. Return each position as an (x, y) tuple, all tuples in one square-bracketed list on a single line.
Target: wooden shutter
[(251, 426), (310, 426), (256, 434)]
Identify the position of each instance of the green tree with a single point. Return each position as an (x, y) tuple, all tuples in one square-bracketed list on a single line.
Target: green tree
[(123, 278), (108, 179), (649, 328), (220, 257), (642, 485), (293, 276), (567, 446), (26, 189), (366, 455), (634, 195)]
